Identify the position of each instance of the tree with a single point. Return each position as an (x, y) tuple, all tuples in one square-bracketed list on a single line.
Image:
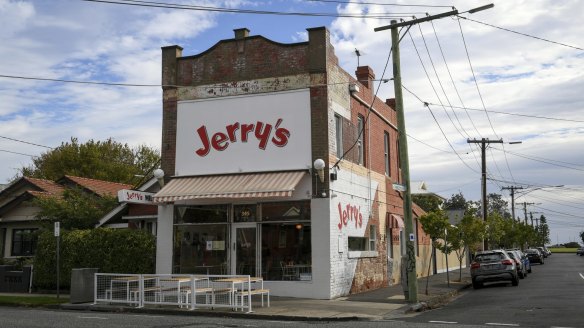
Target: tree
[(76, 209), (429, 203), (435, 225), (582, 236), (543, 231), (103, 160), (456, 202)]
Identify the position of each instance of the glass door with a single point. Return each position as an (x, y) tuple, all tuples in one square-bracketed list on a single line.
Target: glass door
[(244, 252)]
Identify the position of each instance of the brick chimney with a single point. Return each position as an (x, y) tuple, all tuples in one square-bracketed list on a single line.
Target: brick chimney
[(366, 76), (390, 102), (241, 33)]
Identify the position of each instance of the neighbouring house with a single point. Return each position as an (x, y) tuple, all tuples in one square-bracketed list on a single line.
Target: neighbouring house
[(18, 211), (278, 163)]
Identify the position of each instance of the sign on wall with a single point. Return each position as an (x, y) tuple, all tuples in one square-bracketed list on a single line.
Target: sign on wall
[(352, 205), (261, 132), (135, 196)]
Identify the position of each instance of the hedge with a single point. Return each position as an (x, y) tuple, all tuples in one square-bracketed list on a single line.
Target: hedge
[(110, 250)]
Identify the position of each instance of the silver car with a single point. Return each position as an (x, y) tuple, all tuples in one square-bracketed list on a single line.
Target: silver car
[(493, 265)]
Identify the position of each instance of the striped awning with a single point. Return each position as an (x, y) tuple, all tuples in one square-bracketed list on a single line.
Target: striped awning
[(236, 186), (394, 221)]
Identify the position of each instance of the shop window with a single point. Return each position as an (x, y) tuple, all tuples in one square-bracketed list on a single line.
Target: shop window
[(286, 241), (23, 242), (201, 214), (286, 251), (286, 211), (200, 249)]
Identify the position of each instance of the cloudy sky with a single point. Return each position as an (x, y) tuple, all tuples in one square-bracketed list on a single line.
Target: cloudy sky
[(514, 72)]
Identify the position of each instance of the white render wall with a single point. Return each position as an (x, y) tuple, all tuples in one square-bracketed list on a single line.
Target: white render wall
[(358, 193), (164, 239)]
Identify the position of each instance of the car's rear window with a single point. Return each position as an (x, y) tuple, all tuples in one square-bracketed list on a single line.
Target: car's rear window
[(511, 255), (493, 257)]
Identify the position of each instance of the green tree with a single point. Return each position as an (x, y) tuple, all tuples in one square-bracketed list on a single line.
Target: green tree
[(456, 202), (76, 209), (543, 231), (496, 230), (428, 203), (435, 224), (582, 236), (103, 160)]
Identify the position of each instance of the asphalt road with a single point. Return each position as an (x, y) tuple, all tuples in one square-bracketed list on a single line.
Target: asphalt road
[(551, 296)]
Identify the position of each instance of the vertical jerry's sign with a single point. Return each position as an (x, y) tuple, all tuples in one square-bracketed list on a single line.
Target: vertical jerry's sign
[(261, 132)]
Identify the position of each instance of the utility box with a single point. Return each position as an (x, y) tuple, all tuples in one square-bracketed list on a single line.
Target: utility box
[(82, 285)]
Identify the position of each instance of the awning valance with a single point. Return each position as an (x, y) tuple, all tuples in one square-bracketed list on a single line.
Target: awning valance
[(236, 186), (394, 221)]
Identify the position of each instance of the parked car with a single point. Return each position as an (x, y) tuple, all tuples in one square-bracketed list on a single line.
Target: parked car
[(580, 251), (521, 269), (534, 256), (543, 251), (493, 265)]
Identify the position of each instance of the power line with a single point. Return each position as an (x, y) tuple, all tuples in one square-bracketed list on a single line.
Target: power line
[(439, 127), (379, 3), (452, 80), (546, 161), (152, 4), (516, 114), (13, 152), (475, 79), (26, 142), (520, 33)]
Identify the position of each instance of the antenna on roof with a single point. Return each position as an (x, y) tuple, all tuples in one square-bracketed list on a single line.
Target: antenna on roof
[(358, 53)]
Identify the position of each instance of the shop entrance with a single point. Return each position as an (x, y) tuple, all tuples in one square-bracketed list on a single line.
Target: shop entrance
[(244, 251)]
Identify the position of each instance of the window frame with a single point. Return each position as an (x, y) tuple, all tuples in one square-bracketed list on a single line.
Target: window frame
[(339, 135), (387, 153), (360, 139), (28, 244)]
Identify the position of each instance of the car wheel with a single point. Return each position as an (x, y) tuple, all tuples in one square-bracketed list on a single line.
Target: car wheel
[(515, 281), (521, 275), (529, 270)]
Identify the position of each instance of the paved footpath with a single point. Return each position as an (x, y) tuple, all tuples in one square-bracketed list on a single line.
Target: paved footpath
[(384, 303)]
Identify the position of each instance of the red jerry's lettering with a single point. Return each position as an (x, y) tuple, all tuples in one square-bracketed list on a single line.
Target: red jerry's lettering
[(262, 132), (350, 213)]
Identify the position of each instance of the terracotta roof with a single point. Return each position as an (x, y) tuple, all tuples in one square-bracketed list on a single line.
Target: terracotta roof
[(46, 185), (41, 194), (99, 187)]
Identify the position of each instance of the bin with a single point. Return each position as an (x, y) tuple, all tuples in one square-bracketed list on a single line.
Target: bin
[(82, 285)]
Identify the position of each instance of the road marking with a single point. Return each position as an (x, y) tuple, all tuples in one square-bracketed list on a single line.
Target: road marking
[(446, 322), (581, 275), (502, 324), (102, 318), (559, 327)]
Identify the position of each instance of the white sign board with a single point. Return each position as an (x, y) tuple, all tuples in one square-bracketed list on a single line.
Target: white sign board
[(135, 196), (261, 132), (412, 237), (57, 229), (398, 187)]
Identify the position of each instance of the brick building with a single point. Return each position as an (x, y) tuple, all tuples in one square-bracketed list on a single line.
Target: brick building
[(247, 126)]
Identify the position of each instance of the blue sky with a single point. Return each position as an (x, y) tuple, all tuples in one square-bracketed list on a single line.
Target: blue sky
[(542, 81)]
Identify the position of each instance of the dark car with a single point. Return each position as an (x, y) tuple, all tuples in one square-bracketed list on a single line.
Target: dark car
[(543, 251), (493, 265), (580, 251), (534, 255), (521, 266)]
